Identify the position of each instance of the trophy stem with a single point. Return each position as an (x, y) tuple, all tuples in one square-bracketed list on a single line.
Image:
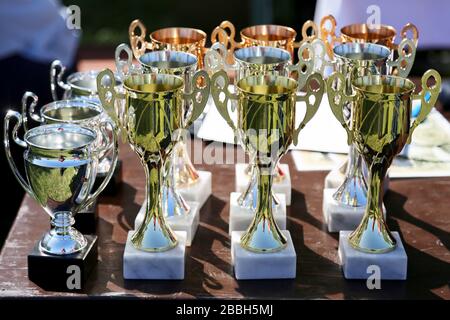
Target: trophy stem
[(184, 171), (173, 202), (62, 239), (247, 199), (373, 235), (153, 234), (353, 191), (263, 234)]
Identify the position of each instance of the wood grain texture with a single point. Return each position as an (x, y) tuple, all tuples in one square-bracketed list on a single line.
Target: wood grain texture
[(418, 209)]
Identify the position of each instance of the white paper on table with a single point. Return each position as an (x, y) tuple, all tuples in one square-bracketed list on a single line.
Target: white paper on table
[(400, 168), (323, 133), (317, 161)]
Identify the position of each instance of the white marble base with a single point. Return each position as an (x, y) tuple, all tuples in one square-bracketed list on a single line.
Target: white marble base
[(336, 177), (284, 186), (199, 191), (188, 223), (393, 265), (250, 265), (340, 217), (166, 265), (240, 218)]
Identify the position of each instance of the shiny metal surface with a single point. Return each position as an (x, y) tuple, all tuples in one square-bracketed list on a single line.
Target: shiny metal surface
[(79, 85), (380, 127), (266, 128), (362, 33), (174, 39), (352, 60), (60, 166), (151, 119)]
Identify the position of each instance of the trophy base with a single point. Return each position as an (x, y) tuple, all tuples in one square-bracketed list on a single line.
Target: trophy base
[(341, 217), (188, 223), (250, 265), (240, 218), (360, 265), (166, 265), (335, 178), (113, 185), (199, 191), (63, 272), (87, 219), (284, 186)]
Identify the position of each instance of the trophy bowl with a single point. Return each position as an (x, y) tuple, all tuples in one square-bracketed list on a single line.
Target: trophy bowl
[(60, 166), (174, 39), (380, 127), (362, 33), (267, 35), (265, 127), (78, 85)]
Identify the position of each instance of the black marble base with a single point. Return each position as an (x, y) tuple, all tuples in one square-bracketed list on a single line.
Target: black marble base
[(62, 273), (87, 219), (114, 184)]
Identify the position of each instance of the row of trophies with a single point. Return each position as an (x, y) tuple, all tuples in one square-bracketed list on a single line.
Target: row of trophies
[(152, 104)]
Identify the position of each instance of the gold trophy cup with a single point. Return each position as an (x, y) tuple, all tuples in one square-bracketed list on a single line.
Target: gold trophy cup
[(380, 127), (265, 126), (175, 39), (151, 118)]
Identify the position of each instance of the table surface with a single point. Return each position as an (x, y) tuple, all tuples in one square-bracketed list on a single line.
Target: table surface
[(417, 208)]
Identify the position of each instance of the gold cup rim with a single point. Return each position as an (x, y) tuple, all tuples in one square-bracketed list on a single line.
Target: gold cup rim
[(244, 86), (251, 32), (158, 36), (383, 82), (383, 33), (154, 77)]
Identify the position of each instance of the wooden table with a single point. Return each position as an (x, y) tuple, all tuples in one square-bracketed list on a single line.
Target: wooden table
[(418, 208)]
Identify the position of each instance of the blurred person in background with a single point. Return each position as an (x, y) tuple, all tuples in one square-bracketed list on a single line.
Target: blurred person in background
[(32, 35)]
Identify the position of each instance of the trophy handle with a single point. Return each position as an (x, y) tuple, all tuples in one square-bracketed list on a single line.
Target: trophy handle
[(108, 95), (221, 95), (215, 58), (199, 96), (337, 98), (30, 108), (406, 54), (305, 64), (225, 34), (14, 114), (311, 107), (137, 42), (56, 78), (308, 25), (415, 33), (328, 36), (428, 96), (115, 152), (124, 67), (107, 142)]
